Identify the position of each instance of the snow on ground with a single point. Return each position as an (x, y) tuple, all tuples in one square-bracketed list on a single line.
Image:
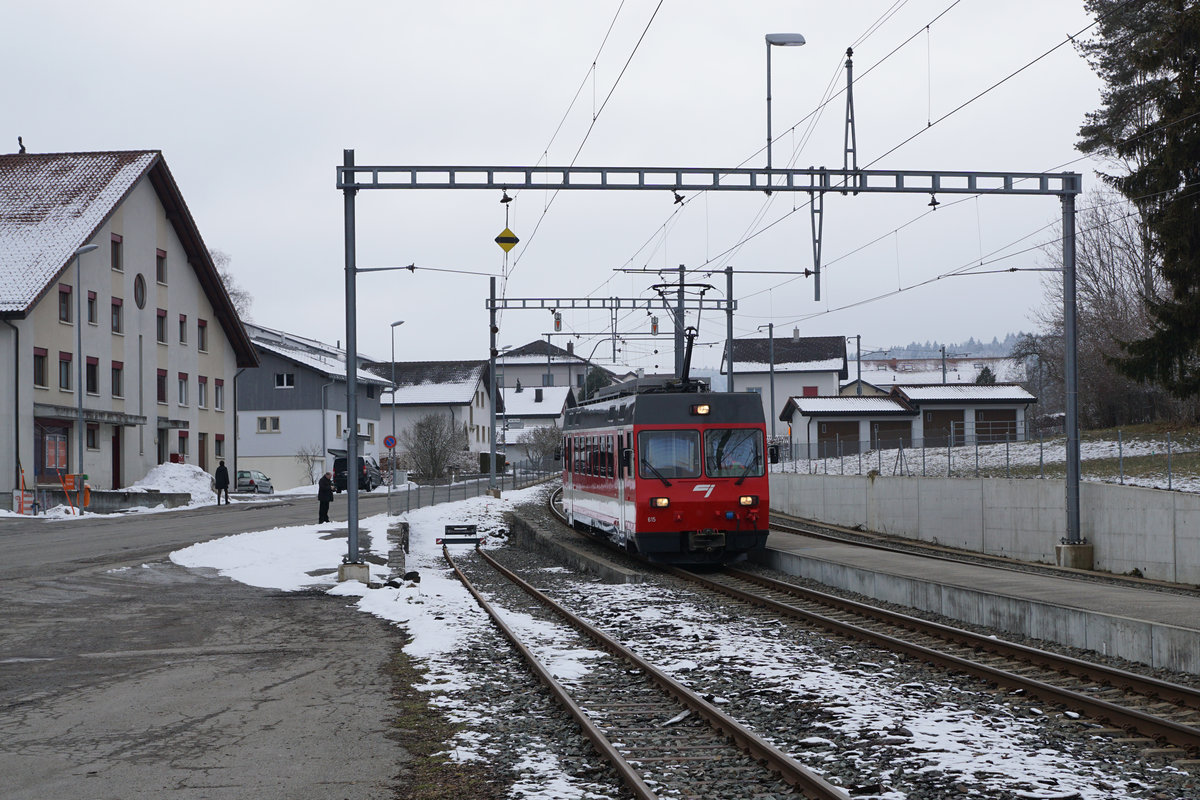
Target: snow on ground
[(441, 618), (995, 458)]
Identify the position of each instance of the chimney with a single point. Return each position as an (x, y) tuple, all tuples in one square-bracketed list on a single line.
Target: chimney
[(537, 395), (795, 334), (518, 389), (570, 348)]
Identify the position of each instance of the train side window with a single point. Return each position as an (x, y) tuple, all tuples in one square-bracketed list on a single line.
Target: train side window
[(612, 472)]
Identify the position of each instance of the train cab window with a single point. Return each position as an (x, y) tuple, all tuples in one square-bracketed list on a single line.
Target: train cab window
[(733, 452), (669, 454)]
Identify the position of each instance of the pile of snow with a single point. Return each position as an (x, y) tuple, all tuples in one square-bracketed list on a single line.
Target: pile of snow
[(178, 479)]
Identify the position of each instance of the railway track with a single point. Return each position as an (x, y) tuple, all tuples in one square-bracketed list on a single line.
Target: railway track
[(662, 739), (1158, 710)]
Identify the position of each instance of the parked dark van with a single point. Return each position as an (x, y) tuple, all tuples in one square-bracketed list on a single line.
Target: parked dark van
[(369, 475)]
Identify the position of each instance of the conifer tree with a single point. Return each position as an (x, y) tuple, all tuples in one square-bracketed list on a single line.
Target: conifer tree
[(1148, 128)]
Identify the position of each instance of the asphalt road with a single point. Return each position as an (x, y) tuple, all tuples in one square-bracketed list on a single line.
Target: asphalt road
[(124, 676)]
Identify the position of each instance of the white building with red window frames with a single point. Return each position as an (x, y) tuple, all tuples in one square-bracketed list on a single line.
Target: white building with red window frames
[(161, 341)]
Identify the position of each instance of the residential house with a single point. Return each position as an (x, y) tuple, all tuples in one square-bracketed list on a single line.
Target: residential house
[(804, 366), (292, 410), (126, 352), (930, 415), (540, 363), (525, 409), (455, 389)]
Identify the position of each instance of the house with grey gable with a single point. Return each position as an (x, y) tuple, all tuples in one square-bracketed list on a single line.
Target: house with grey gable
[(291, 411), (924, 415), (458, 390), (540, 363), (527, 408), (804, 366)]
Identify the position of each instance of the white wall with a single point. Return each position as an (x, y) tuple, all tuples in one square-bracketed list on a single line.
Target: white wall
[(1153, 531)]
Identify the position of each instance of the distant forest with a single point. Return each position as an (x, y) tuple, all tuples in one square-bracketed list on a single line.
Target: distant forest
[(971, 347)]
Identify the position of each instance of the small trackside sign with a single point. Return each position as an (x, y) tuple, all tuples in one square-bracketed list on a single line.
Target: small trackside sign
[(707, 488)]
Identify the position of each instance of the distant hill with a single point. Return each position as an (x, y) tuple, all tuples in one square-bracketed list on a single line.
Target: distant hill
[(996, 348)]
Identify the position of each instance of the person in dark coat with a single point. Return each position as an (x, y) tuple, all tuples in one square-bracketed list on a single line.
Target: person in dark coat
[(324, 495), (222, 483)]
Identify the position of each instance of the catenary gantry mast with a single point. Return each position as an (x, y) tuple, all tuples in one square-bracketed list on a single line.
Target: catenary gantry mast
[(815, 181)]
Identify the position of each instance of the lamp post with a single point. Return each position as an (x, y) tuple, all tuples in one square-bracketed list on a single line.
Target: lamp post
[(778, 40), (82, 431), (392, 456)]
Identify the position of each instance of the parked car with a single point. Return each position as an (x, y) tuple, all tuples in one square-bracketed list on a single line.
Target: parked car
[(369, 474), (251, 480)]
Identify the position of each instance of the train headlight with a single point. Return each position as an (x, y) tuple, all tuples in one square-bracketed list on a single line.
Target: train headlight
[(660, 502), (748, 499), (701, 409)]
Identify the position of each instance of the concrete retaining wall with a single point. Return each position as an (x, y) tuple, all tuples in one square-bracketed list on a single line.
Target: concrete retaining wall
[(109, 502), (1153, 531)]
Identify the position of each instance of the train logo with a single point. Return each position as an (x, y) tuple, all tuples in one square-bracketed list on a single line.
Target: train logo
[(707, 488)]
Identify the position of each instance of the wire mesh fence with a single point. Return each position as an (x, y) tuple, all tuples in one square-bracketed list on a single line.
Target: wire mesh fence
[(461, 487), (1162, 460)]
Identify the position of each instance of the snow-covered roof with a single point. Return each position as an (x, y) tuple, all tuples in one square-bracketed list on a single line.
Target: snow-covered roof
[(874, 406), (525, 404), (965, 393), (822, 365), (49, 207), (790, 354), (328, 365), (423, 383)]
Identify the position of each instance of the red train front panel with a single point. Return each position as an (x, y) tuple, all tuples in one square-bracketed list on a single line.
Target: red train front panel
[(689, 485), (698, 493)]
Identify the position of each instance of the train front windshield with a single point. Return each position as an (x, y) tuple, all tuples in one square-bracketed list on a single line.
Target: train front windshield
[(733, 452), (669, 454)]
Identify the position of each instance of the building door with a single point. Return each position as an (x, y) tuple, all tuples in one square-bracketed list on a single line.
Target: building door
[(202, 448), (116, 457), (944, 428), (837, 438), (162, 445)]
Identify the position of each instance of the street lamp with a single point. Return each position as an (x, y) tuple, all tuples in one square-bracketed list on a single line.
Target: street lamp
[(392, 455), (82, 431), (778, 40)]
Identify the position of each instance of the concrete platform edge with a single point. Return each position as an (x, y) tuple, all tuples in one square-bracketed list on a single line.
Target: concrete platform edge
[(1156, 644), (532, 537)]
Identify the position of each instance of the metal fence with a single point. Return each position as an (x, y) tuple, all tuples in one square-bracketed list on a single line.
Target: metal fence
[(462, 487), (1006, 450)]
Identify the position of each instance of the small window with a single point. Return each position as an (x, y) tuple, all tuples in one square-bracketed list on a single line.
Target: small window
[(91, 309), (160, 266), (183, 444), (118, 379), (183, 328), (64, 371), (202, 335), (219, 395), (811, 391), (183, 389), (118, 322), (139, 291), (370, 391), (64, 303), (371, 432), (285, 380), (161, 386), (117, 262), (160, 331), (219, 445), (40, 358), (93, 436), (201, 392), (91, 375)]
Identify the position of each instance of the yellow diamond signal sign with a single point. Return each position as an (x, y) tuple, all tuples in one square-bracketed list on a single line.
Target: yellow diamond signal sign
[(507, 240)]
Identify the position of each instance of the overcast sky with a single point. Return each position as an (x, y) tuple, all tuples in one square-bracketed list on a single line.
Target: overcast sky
[(252, 104)]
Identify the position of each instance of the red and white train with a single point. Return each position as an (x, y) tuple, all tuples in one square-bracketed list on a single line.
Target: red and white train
[(676, 477)]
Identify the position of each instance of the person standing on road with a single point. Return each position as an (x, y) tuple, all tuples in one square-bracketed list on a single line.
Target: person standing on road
[(324, 496), (222, 483)]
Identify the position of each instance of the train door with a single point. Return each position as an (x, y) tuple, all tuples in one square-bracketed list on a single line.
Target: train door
[(621, 477)]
